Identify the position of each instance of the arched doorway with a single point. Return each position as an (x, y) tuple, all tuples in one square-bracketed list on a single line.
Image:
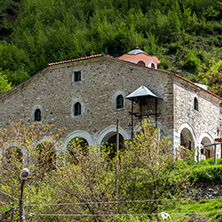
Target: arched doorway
[(206, 152), (110, 144), (186, 140), (46, 156), (13, 154), (77, 148)]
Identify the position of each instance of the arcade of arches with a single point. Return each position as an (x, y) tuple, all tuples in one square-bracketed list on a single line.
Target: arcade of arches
[(187, 140), (13, 153), (208, 151), (46, 156), (75, 146), (111, 146)]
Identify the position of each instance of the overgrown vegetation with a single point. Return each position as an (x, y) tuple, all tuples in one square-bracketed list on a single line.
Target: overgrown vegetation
[(89, 187), (186, 35)]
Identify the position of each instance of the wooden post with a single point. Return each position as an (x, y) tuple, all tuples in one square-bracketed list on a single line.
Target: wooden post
[(132, 121), (147, 103), (21, 204), (156, 111), (140, 110), (117, 160), (215, 154)]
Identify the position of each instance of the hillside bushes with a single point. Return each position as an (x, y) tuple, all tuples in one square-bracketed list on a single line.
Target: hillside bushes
[(207, 172), (60, 30), (92, 185)]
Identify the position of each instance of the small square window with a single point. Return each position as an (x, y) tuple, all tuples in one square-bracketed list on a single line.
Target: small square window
[(77, 76)]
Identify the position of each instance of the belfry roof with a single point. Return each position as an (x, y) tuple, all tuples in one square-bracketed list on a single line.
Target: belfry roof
[(142, 91), (137, 51)]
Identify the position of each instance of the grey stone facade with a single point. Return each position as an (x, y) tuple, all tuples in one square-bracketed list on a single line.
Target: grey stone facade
[(54, 91)]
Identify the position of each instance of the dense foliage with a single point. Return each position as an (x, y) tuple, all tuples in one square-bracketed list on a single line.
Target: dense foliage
[(186, 35), (69, 183)]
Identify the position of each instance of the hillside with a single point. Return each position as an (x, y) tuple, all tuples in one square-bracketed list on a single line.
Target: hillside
[(186, 35)]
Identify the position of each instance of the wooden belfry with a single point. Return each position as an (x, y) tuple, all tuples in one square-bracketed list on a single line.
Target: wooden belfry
[(142, 95)]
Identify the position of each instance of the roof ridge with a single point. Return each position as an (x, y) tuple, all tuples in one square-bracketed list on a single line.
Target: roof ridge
[(78, 59)]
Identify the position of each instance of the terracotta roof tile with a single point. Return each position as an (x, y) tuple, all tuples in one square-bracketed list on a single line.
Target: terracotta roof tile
[(78, 59), (103, 55), (197, 86), (190, 82), (108, 56)]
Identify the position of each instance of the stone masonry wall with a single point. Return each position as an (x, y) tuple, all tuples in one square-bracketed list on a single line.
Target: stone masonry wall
[(205, 122), (55, 92)]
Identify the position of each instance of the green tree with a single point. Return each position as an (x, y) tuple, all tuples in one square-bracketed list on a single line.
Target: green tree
[(148, 169), (4, 84), (213, 77)]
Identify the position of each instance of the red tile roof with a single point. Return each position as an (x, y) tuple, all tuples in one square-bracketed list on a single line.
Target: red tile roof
[(79, 59), (103, 55), (108, 56)]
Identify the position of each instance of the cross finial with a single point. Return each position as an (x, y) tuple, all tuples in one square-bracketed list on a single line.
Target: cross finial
[(137, 44)]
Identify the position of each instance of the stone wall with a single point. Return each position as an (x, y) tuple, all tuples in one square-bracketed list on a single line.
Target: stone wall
[(54, 92), (202, 123)]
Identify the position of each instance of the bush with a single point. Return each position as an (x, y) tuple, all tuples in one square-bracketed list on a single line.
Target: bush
[(191, 63), (147, 170), (207, 174)]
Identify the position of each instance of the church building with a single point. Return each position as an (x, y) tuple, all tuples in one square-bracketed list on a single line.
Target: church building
[(87, 95)]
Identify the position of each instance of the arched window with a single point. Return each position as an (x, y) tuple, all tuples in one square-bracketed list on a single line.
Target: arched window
[(37, 115), (119, 102), (77, 109), (141, 63), (153, 66), (195, 104)]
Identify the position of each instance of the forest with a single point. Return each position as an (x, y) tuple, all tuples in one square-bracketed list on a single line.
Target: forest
[(185, 34)]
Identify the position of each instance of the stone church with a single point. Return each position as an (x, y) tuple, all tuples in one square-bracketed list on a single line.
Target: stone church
[(87, 95)]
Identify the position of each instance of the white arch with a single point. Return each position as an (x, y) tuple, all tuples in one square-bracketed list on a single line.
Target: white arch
[(207, 135), (74, 101), (79, 133), (49, 139), (189, 127), (20, 147), (109, 131), (34, 108), (114, 97), (211, 140), (14, 144), (191, 131)]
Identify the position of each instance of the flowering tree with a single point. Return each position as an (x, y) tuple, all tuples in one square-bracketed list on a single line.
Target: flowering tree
[(23, 146), (85, 184)]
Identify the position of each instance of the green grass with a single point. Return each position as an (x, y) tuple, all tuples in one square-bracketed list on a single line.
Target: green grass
[(203, 208)]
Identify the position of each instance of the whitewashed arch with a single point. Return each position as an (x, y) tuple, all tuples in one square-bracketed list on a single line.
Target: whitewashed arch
[(14, 144), (57, 145), (114, 97), (206, 135), (74, 101), (79, 133), (34, 108), (110, 131), (20, 147), (190, 128)]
